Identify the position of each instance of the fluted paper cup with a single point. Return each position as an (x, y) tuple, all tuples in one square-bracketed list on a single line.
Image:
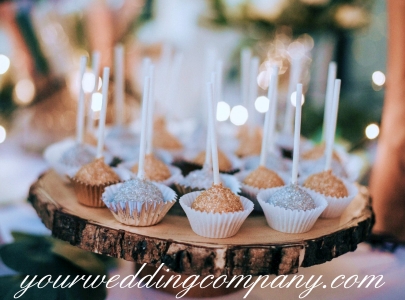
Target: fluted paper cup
[(287, 220), (251, 192), (336, 206), (136, 213), (215, 225)]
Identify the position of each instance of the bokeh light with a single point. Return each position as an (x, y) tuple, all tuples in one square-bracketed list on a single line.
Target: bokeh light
[(24, 91), (88, 82), (262, 104), (4, 63), (239, 115), (378, 78), (2, 134), (223, 111), (372, 131), (96, 101), (293, 96)]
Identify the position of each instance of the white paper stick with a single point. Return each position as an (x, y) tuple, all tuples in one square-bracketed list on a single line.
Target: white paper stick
[(80, 102), (119, 84), (142, 149), (245, 57), (103, 112), (162, 77), (330, 139), (295, 74), (146, 62), (254, 71), (328, 98), (174, 80), (151, 105), (212, 126), (208, 148), (267, 120), (273, 116), (95, 68), (219, 70), (297, 134)]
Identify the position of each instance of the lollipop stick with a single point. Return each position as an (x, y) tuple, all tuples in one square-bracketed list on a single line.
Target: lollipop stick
[(254, 71), (245, 57), (329, 98), (271, 93), (219, 70), (119, 84), (297, 134), (332, 125), (208, 151), (103, 113), (145, 100), (80, 104), (212, 125), (273, 116), (151, 104), (295, 74), (95, 67)]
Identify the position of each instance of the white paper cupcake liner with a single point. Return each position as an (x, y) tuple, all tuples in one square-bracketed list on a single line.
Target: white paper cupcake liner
[(175, 173), (139, 213), (53, 155), (287, 220), (215, 225), (230, 181), (251, 192), (336, 206)]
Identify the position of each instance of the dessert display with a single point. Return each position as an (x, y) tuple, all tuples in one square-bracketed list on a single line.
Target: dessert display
[(216, 212), (91, 179), (263, 178), (336, 191), (290, 209), (140, 202)]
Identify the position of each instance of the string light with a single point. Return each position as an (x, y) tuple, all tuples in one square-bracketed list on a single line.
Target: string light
[(372, 131), (88, 82), (96, 101), (239, 115), (223, 111), (378, 78), (262, 104), (4, 63), (2, 134), (24, 91), (292, 99)]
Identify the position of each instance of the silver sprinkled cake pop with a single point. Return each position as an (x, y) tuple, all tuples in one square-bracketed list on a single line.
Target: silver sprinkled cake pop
[(138, 190), (77, 156), (292, 197)]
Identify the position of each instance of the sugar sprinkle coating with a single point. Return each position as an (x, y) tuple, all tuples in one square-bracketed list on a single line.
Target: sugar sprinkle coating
[(77, 156), (292, 197), (155, 169), (263, 178), (199, 178), (138, 190), (327, 184), (217, 199), (223, 162), (317, 152), (97, 172)]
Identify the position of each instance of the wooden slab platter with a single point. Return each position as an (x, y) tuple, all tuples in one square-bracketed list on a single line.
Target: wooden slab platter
[(255, 250)]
